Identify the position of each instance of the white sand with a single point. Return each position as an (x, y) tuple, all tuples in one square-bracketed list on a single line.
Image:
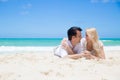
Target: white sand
[(43, 65)]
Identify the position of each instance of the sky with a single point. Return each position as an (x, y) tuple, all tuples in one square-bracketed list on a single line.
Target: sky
[(52, 18)]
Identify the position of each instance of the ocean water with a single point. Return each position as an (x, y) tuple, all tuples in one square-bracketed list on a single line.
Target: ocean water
[(30, 45), (30, 41), (27, 45), (36, 42), (111, 41)]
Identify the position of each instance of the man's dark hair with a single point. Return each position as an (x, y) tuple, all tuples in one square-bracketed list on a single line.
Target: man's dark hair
[(73, 31)]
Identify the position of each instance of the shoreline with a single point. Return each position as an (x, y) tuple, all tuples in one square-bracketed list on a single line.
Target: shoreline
[(50, 47), (38, 49)]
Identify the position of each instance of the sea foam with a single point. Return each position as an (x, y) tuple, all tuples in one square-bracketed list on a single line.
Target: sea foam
[(14, 49)]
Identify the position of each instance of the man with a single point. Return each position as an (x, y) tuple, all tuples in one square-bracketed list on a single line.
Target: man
[(72, 46)]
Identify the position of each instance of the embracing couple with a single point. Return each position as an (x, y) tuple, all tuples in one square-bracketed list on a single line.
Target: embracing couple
[(76, 47)]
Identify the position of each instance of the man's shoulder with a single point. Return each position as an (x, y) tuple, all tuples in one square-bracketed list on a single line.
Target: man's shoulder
[(83, 40)]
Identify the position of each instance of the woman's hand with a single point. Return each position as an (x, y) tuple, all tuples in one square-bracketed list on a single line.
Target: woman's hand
[(87, 54), (64, 43), (66, 46)]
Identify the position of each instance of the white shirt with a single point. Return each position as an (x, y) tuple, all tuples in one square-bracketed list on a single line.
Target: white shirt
[(79, 48)]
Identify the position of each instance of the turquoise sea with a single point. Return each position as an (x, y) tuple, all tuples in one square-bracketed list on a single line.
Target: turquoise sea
[(48, 41)]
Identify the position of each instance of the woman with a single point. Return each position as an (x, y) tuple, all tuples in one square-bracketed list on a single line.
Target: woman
[(94, 47)]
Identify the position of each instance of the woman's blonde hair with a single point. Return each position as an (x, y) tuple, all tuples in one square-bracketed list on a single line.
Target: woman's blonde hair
[(93, 35)]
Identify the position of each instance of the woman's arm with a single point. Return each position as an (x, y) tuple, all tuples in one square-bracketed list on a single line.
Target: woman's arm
[(76, 56), (102, 54), (88, 55), (66, 46)]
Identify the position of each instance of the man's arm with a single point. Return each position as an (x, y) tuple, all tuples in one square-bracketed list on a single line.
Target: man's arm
[(76, 56)]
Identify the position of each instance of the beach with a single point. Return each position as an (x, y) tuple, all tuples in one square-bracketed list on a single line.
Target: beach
[(31, 30), (39, 63)]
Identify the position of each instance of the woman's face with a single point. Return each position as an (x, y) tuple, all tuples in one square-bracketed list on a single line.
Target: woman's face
[(87, 37)]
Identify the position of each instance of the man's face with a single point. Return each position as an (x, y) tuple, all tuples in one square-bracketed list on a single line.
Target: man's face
[(78, 37)]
